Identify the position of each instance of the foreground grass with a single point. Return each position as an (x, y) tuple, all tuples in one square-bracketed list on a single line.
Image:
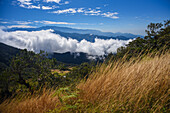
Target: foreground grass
[(141, 86)]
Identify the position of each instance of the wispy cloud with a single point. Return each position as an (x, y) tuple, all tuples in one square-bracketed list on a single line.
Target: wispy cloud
[(4, 22), (56, 1), (23, 22), (66, 2), (20, 26), (53, 4), (70, 10), (92, 12), (46, 7), (89, 11), (110, 15), (30, 6), (41, 4), (51, 22)]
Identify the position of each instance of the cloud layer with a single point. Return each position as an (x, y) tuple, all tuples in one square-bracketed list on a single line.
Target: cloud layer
[(50, 42)]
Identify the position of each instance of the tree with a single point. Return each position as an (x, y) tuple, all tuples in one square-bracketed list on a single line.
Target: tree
[(30, 69), (157, 39)]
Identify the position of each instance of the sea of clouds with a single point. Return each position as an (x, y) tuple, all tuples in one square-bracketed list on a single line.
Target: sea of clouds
[(50, 42)]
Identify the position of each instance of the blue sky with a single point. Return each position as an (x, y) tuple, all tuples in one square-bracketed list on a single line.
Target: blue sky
[(130, 16)]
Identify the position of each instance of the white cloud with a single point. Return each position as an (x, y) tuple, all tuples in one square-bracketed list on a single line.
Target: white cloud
[(70, 10), (50, 42), (110, 15), (46, 7), (30, 6), (89, 11), (80, 10), (4, 22), (93, 12), (27, 2), (66, 2), (20, 26), (51, 22), (56, 1), (23, 22), (49, 5), (36, 4)]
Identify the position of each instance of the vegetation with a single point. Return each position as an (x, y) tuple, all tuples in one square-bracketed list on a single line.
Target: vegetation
[(119, 87), (136, 79), (157, 39)]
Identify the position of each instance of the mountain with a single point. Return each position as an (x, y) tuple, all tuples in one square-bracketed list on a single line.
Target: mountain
[(6, 54), (69, 31), (88, 37)]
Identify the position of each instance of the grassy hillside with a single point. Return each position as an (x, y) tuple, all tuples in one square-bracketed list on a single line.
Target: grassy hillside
[(136, 79), (121, 86)]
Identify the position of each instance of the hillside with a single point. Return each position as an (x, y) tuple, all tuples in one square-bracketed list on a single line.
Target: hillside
[(119, 86), (6, 54)]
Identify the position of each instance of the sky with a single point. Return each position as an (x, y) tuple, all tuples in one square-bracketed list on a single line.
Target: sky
[(127, 16)]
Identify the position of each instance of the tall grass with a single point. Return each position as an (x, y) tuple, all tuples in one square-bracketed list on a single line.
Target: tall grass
[(120, 86), (140, 86), (30, 104)]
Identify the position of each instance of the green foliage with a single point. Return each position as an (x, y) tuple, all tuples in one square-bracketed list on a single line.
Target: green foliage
[(157, 40), (68, 100), (27, 72), (76, 74), (80, 72)]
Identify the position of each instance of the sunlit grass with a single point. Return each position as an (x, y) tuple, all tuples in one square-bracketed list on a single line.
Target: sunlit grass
[(120, 86)]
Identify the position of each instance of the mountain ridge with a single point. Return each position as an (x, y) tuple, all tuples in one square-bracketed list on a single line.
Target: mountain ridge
[(79, 31)]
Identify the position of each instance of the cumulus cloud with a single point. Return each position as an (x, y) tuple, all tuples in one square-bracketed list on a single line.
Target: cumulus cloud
[(50, 42)]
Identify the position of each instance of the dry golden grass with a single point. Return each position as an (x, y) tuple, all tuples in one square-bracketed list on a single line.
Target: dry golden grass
[(33, 104), (141, 86)]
